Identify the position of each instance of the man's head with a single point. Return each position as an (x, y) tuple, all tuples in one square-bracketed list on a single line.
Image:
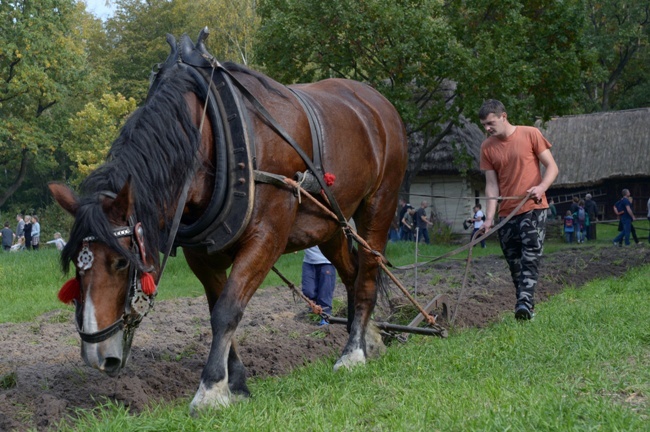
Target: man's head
[(551, 201), (424, 204), (626, 192), (19, 217), (402, 202), (6, 224), (588, 196), (477, 207), (494, 118)]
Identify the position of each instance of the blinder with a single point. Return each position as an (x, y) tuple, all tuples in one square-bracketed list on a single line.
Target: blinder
[(137, 303)]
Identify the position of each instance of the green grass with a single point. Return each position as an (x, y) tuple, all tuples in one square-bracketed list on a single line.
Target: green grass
[(582, 364), (29, 281)]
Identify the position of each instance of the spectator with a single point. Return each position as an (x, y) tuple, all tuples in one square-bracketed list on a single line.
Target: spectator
[(318, 280), (408, 223), (8, 237), (28, 232), (552, 211), (592, 212), (574, 204), (569, 227), (632, 229), (511, 158), (36, 233), (20, 229), (624, 210), (580, 222), (58, 241), (422, 223), (478, 220)]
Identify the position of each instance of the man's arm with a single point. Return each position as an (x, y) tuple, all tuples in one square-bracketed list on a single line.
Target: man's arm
[(630, 212), (550, 174), (491, 192)]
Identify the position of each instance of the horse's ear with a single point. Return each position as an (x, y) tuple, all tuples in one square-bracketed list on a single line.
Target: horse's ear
[(122, 206), (64, 196)]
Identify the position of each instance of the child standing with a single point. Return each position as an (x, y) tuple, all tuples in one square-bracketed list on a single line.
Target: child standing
[(568, 227)]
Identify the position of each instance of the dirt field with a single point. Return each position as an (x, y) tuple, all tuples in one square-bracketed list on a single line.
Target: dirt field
[(42, 376)]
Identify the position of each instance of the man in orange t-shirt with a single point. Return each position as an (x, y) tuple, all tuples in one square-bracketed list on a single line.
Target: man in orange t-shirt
[(510, 157)]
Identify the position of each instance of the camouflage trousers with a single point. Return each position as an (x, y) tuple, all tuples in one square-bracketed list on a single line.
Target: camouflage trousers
[(522, 242)]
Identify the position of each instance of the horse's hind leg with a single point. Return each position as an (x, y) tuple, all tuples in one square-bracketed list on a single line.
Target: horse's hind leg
[(373, 220), (347, 264)]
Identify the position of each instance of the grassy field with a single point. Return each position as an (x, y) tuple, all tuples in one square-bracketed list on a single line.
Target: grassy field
[(29, 281), (583, 364)]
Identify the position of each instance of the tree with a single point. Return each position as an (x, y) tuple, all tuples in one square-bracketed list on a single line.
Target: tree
[(93, 129), (528, 54), (137, 35), (405, 49), (42, 65), (617, 34), (433, 60)]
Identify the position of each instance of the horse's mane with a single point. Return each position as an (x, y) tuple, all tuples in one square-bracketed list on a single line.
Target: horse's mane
[(155, 150)]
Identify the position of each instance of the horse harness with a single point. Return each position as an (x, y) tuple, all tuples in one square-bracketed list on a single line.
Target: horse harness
[(230, 207)]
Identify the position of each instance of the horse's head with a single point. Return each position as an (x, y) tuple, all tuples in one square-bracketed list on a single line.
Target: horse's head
[(112, 289)]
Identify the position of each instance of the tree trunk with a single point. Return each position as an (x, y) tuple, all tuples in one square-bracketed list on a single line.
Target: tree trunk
[(19, 178)]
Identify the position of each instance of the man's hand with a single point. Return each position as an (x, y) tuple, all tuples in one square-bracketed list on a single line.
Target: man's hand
[(487, 225), (536, 193)]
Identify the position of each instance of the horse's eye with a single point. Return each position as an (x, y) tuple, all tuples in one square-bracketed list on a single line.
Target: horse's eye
[(121, 264)]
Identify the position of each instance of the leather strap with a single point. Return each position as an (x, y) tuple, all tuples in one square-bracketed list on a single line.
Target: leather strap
[(315, 126), (283, 133)]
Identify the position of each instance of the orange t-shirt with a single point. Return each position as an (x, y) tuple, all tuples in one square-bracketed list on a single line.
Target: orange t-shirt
[(516, 162)]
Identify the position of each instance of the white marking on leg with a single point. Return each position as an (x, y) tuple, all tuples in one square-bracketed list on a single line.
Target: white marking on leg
[(218, 396), (356, 357)]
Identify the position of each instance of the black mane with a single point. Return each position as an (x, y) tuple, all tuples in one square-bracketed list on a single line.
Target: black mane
[(155, 149)]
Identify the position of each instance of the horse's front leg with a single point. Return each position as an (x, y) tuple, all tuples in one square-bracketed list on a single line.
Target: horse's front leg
[(224, 373)]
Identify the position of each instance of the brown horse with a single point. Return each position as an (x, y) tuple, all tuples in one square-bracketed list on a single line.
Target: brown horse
[(180, 150)]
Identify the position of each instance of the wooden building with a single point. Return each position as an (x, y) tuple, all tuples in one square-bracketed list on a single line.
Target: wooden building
[(450, 179), (601, 154)]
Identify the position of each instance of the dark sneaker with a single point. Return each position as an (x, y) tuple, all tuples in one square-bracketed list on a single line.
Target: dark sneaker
[(523, 312)]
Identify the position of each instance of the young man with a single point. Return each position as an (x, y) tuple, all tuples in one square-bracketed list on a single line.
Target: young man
[(422, 222), (510, 157)]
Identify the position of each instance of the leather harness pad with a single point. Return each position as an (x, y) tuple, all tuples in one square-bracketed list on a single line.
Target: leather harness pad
[(231, 204)]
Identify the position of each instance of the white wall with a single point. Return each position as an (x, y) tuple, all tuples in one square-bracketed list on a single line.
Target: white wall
[(457, 203)]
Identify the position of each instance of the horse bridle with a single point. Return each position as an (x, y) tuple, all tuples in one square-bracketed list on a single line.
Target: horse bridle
[(136, 305)]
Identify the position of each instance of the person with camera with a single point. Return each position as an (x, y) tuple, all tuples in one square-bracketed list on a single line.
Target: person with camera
[(477, 220)]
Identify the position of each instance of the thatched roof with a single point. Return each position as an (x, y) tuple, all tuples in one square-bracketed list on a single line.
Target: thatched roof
[(467, 137), (591, 148)]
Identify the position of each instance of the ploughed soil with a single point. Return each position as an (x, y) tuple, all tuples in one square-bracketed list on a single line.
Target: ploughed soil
[(43, 378)]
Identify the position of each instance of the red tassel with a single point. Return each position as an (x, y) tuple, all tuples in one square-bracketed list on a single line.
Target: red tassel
[(70, 291), (148, 285), (329, 179)]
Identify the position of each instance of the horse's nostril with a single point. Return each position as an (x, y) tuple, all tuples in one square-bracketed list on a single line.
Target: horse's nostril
[(112, 366)]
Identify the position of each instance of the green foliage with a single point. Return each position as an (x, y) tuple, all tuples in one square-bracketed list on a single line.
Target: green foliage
[(137, 32), (92, 131), (617, 36), (43, 72)]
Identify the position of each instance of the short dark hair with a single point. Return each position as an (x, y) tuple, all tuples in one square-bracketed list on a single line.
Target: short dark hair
[(491, 106), (478, 205), (6, 224)]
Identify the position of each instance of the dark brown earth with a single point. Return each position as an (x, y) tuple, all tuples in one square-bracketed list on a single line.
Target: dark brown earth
[(43, 379)]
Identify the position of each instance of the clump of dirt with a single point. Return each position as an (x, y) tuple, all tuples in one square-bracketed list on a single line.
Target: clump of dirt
[(43, 379)]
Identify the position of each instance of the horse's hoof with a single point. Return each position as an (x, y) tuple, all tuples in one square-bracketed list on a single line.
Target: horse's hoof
[(350, 360), (217, 396)]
